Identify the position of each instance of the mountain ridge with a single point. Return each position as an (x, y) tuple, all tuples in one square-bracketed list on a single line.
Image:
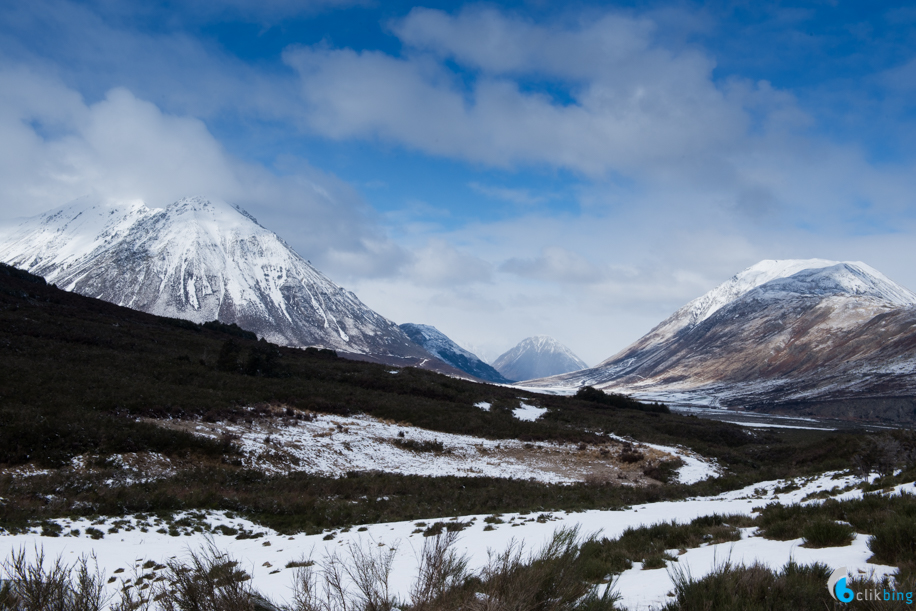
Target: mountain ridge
[(834, 332), (200, 259)]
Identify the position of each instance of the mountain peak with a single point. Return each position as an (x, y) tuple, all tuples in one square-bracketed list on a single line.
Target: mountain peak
[(780, 331), (850, 278), (538, 356), (743, 282), (801, 276), (199, 259)]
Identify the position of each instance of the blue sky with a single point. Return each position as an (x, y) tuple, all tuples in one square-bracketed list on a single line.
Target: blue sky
[(498, 170)]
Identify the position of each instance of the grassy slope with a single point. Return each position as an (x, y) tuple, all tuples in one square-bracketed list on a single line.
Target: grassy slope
[(76, 372)]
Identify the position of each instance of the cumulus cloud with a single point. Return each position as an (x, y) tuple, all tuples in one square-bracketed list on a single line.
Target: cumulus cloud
[(634, 105), (57, 148), (493, 41), (602, 97)]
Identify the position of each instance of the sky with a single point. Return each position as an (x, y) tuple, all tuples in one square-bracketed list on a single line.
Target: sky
[(497, 170)]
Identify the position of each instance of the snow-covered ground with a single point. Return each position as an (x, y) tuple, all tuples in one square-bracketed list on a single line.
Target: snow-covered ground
[(125, 546), (334, 445)]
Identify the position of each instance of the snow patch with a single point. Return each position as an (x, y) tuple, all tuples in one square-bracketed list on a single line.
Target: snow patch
[(529, 413), (335, 445)]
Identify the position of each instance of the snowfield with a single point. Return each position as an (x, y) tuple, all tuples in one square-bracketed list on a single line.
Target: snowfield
[(334, 445), (265, 553)]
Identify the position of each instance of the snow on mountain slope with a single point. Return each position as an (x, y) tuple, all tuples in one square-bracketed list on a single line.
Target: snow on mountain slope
[(738, 285), (777, 333), (849, 279), (199, 260), (441, 346), (777, 279), (537, 357)]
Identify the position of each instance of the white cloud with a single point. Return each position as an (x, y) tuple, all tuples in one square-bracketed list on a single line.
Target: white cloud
[(638, 113), (636, 106), (498, 43), (121, 147), (57, 148)]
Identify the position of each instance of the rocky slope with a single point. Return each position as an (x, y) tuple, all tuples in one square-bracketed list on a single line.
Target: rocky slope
[(442, 347), (537, 357), (815, 336), (201, 260)]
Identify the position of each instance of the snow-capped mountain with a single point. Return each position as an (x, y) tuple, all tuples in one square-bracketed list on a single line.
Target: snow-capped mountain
[(200, 260), (537, 357), (780, 332), (441, 346)]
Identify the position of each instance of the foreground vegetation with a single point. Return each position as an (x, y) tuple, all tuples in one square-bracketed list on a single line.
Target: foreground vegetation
[(551, 579), (570, 573), (760, 588)]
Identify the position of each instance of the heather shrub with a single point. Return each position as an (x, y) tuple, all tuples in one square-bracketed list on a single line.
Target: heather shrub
[(827, 533)]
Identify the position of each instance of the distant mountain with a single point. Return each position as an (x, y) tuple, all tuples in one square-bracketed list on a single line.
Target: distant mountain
[(439, 345), (201, 260), (537, 357), (808, 336)]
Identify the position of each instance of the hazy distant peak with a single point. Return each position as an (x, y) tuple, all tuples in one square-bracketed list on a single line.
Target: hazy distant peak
[(537, 357)]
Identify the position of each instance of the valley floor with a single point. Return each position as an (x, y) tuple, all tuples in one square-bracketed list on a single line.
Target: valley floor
[(123, 545)]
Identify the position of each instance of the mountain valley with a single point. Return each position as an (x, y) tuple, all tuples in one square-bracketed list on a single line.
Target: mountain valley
[(121, 428), (108, 388)]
